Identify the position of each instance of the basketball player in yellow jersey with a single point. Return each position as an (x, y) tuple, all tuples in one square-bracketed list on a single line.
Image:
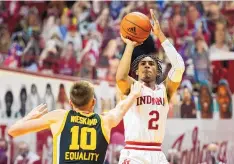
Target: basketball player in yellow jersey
[(79, 135), (145, 121)]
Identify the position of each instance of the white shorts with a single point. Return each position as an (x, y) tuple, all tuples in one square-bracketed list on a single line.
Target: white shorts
[(128, 156)]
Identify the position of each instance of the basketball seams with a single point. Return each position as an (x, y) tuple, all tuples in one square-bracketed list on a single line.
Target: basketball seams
[(137, 25)]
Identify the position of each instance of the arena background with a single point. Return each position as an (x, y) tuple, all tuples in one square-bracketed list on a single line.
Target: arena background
[(45, 46)]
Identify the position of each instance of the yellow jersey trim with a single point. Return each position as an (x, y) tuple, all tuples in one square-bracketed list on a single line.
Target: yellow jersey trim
[(107, 137), (55, 138), (85, 114)]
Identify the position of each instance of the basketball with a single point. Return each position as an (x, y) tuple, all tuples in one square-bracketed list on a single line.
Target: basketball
[(135, 26)]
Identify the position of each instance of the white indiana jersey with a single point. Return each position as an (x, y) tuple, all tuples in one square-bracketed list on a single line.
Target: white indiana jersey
[(145, 121)]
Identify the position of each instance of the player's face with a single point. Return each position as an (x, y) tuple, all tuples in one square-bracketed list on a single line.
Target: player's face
[(223, 98), (147, 70)]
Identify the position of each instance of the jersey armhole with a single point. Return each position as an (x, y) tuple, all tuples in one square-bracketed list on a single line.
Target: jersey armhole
[(104, 130), (165, 93), (55, 139), (62, 125)]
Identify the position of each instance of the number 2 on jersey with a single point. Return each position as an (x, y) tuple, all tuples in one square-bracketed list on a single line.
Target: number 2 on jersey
[(83, 138), (152, 122)]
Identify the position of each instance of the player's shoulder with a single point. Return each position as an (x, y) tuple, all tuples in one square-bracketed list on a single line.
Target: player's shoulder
[(59, 111), (57, 114)]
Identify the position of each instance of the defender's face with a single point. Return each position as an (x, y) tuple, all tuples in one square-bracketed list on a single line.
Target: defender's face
[(147, 70)]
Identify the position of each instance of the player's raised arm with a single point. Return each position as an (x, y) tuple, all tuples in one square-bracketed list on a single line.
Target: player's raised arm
[(38, 119), (122, 79), (114, 116), (176, 72)]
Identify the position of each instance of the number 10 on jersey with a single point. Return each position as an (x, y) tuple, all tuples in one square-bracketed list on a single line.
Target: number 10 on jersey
[(83, 137)]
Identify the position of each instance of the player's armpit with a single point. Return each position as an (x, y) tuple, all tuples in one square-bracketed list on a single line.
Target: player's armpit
[(25, 126), (125, 85), (171, 87)]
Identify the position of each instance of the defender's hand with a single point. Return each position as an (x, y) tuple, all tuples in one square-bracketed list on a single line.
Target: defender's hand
[(136, 89), (155, 27), (37, 112), (129, 42)]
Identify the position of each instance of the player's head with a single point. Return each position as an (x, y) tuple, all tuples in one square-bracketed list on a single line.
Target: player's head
[(82, 96), (147, 68)]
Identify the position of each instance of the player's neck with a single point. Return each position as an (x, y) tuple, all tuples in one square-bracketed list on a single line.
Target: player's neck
[(83, 110), (150, 84)]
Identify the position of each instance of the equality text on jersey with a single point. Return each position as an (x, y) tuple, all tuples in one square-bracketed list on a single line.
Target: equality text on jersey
[(81, 156)]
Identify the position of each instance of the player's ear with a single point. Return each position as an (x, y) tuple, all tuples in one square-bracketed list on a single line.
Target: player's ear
[(70, 102), (94, 102)]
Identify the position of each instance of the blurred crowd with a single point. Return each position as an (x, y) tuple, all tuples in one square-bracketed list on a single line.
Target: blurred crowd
[(82, 39)]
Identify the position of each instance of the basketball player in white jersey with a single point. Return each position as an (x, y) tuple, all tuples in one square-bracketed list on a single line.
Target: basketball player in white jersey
[(145, 121)]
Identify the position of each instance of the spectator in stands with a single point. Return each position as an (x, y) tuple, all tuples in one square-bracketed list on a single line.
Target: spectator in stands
[(12, 61), (5, 40), (224, 100), (74, 36), (3, 151), (175, 106), (177, 30), (8, 101), (113, 65), (188, 109), (87, 68), (62, 100), (199, 55), (205, 102), (28, 60), (81, 10), (213, 14), (33, 98), (105, 101), (33, 21), (67, 63), (193, 15), (23, 99), (49, 57), (25, 156), (49, 98), (220, 43)]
